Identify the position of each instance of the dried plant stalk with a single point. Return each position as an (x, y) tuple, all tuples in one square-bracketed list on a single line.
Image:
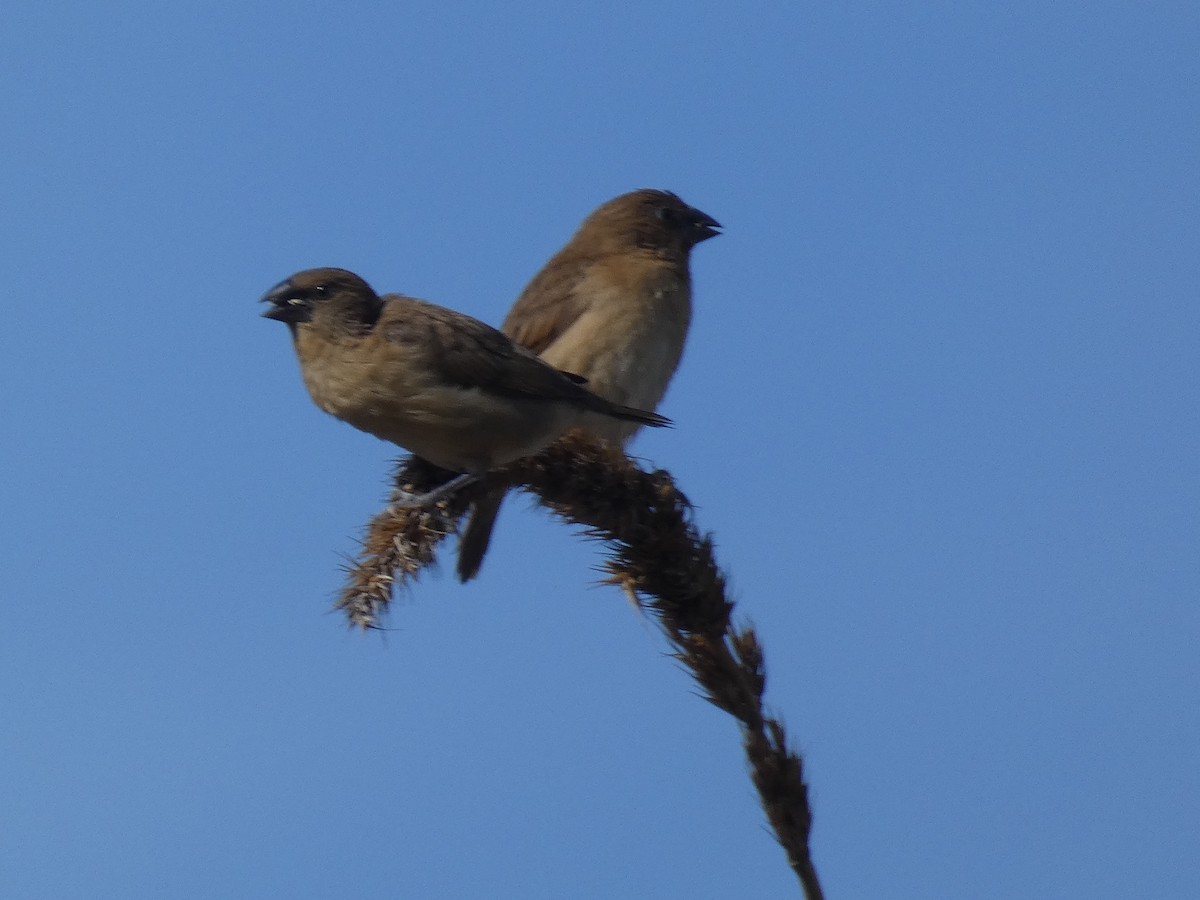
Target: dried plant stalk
[(399, 543), (658, 556)]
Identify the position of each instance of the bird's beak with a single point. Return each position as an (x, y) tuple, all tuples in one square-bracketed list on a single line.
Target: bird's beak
[(285, 305), (704, 226)]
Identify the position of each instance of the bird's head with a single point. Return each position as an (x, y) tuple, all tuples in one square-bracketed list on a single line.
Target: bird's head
[(657, 220), (319, 293)]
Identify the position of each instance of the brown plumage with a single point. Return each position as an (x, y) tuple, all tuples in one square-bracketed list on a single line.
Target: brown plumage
[(441, 384), (613, 305)]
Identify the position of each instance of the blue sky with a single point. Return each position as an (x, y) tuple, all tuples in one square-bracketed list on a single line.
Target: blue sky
[(939, 406)]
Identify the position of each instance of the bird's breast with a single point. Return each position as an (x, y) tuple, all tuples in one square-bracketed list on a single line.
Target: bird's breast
[(626, 347)]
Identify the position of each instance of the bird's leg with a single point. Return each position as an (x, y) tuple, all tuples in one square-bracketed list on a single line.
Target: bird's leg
[(410, 501)]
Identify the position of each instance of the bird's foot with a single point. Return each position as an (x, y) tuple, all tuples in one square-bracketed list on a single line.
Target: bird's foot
[(412, 501)]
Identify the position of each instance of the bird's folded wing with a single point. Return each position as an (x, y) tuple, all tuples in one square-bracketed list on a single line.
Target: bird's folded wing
[(470, 353), (550, 305)]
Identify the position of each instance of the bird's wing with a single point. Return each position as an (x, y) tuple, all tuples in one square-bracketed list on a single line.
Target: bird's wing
[(549, 305), (469, 353)]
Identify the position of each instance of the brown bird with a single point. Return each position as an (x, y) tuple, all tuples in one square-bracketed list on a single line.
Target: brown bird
[(447, 387), (613, 305)]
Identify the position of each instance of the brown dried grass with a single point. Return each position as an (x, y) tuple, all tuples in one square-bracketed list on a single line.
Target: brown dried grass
[(657, 555)]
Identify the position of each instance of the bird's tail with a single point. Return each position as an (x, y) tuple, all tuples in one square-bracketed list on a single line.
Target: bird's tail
[(473, 544), (617, 411)]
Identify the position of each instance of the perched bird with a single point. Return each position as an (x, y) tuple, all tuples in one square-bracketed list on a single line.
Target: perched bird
[(447, 387), (613, 305)]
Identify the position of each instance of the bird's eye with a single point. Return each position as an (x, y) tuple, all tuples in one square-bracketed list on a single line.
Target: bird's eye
[(321, 288), (667, 215)]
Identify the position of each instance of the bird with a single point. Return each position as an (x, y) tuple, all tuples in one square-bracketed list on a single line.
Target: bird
[(613, 305), (443, 385)]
